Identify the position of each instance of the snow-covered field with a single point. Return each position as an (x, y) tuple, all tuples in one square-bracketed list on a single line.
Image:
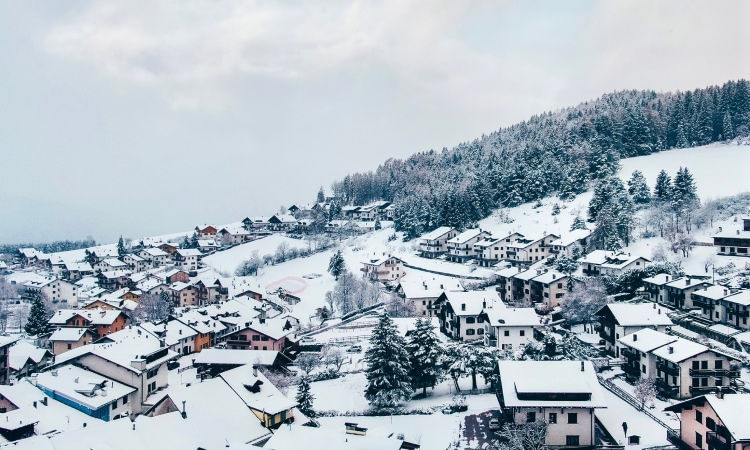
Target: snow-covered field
[(228, 260)]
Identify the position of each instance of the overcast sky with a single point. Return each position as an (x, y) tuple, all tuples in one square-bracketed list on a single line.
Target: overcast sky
[(142, 118)]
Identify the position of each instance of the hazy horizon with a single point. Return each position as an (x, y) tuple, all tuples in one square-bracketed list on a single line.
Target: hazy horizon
[(141, 119)]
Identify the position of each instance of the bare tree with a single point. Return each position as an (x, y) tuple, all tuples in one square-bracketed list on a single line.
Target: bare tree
[(580, 304), (399, 307), (645, 391), (307, 362), (334, 357), (20, 315), (153, 307), (527, 436)]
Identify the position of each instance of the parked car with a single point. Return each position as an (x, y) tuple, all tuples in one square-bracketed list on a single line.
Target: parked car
[(354, 349), (494, 424)]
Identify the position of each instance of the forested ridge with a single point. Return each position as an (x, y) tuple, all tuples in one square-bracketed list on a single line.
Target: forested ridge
[(552, 153)]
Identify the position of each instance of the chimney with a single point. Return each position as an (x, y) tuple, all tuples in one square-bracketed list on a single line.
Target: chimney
[(667, 279), (463, 306), (582, 366), (255, 370), (635, 337), (738, 232), (687, 281), (138, 364), (671, 349), (163, 342), (54, 373), (726, 292), (654, 305), (658, 311), (719, 394), (44, 401), (720, 230), (484, 304)]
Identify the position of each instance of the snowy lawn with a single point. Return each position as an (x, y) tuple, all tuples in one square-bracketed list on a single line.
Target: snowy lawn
[(618, 411), (228, 260)]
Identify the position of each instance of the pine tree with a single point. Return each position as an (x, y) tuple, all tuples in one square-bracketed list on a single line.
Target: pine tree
[(387, 373), (121, 247), (556, 209), (425, 355), (321, 195), (194, 240), (378, 225), (638, 189), (663, 187), (185, 242), (305, 398), (727, 130), (578, 224), (37, 323), (337, 265)]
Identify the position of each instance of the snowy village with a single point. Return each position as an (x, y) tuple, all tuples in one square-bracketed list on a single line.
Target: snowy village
[(322, 327)]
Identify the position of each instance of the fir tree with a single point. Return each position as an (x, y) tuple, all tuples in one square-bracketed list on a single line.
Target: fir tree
[(194, 240), (578, 224), (121, 247), (387, 373), (638, 189), (378, 225), (321, 195), (185, 242), (304, 397), (37, 323), (727, 130), (425, 354), (337, 265), (555, 209), (663, 187)]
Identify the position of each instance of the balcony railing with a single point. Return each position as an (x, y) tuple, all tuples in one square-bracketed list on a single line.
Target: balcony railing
[(630, 353), (633, 371), (666, 388), (717, 441), (670, 370), (700, 390), (700, 303), (714, 373)]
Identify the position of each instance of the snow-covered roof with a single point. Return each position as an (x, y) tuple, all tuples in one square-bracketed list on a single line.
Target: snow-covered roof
[(82, 386), (68, 334), (94, 316), (379, 260), (659, 279), (20, 353), (268, 399), (550, 276), (172, 331), (310, 438), (155, 251), (78, 266), (680, 350), (488, 241), (527, 275), (236, 357), (724, 329), (687, 283), (111, 274), (470, 303), (733, 411), (622, 260), (596, 257), (466, 236), (508, 272), (571, 237), (738, 234), (512, 317), (712, 292), (638, 314), (646, 340), (189, 252), (423, 288), (436, 233), (532, 379), (740, 298)]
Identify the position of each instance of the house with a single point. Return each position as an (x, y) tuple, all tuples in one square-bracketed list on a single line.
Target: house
[(74, 271), (268, 404), (460, 314), (178, 336), (114, 280), (505, 284), (568, 242), (5, 343), (714, 421), (707, 299), (548, 288), (32, 412), (207, 245), (490, 250), (655, 289), (169, 247), (567, 405), (530, 250), (261, 334), (25, 358), (217, 360), (422, 294), (132, 356), (156, 256), (678, 291), (206, 231), (110, 264), (91, 393), (635, 349), (256, 225), (509, 328), (187, 259), (211, 292), (521, 285), (734, 309), (184, 295), (55, 289), (620, 319), (733, 242), (602, 262), (29, 257), (234, 234), (383, 268), (282, 222), (102, 322), (174, 276), (685, 369), (136, 263), (461, 247), (69, 338)]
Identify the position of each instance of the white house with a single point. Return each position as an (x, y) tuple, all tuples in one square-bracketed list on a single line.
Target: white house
[(509, 328)]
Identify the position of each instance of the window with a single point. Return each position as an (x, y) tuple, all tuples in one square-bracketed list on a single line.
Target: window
[(264, 338), (698, 440), (696, 382), (698, 416), (152, 373), (643, 368), (710, 424), (480, 330), (114, 405), (506, 333), (480, 319), (552, 418), (530, 417), (559, 285), (717, 364), (256, 337), (704, 365), (695, 365), (470, 320), (470, 331), (523, 332), (70, 346), (265, 348), (571, 440), (704, 381), (125, 400), (572, 417)]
